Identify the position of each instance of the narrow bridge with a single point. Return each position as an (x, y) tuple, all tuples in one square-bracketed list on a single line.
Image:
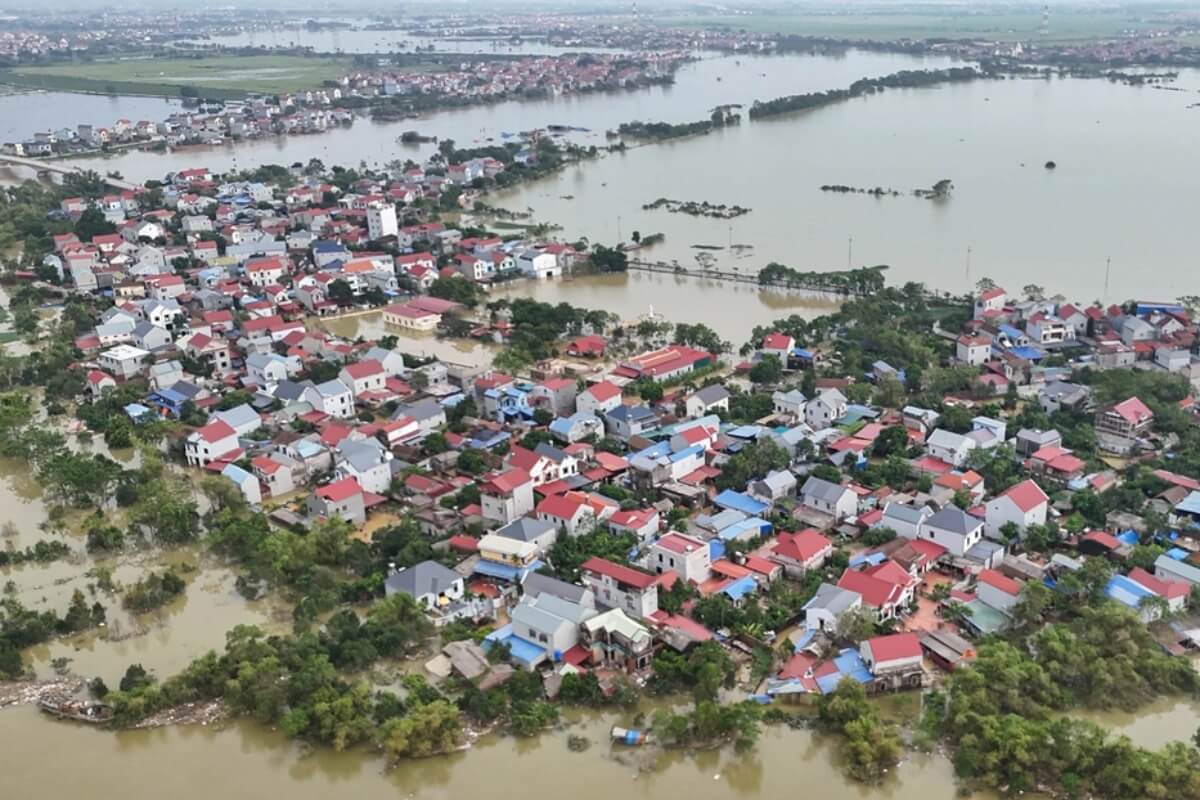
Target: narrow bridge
[(48, 166)]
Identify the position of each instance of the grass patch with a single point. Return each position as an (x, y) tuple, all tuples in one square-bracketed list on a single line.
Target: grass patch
[(223, 77)]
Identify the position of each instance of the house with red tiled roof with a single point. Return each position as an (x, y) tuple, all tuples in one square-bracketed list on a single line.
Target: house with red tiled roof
[(506, 496), (618, 586), (96, 382), (599, 398), (684, 555), (1023, 505), (997, 590), (343, 498), (363, 376), (210, 443), (887, 590), (570, 512), (779, 345), (894, 660), (641, 522), (800, 552), (587, 346), (1119, 426)]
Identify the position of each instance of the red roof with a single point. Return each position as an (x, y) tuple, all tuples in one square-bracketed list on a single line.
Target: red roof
[(1133, 411), (801, 546), (1168, 590), (604, 391), (560, 506), (991, 294), (619, 573), (340, 490), (266, 465), (894, 647), (467, 544), (678, 543), (635, 519), (1102, 538), (506, 482), (777, 341), (1026, 495), (1002, 582), (875, 593), (364, 369), (611, 461), (215, 431)]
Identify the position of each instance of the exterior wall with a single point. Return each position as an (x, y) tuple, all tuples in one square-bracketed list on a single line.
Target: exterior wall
[(994, 597), (1001, 510), (636, 603), (694, 566)]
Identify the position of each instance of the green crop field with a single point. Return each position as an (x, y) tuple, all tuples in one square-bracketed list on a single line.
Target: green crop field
[(226, 76), (1003, 25)]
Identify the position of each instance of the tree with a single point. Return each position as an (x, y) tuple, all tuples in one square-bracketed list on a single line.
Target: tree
[(767, 370), (91, 223), (857, 624), (427, 730), (892, 440), (752, 462)]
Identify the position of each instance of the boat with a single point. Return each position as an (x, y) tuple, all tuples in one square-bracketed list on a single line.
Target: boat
[(76, 710), (629, 736)]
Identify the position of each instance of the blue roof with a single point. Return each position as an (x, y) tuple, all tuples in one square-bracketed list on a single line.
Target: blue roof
[(754, 526), (1011, 332), (1166, 308), (524, 651), (1190, 504), (687, 452), (849, 665), (716, 549), (740, 588), (867, 558), (505, 572), (1128, 537), (740, 502), (805, 640), (1027, 353), (800, 352), (235, 473), (135, 410), (1127, 592), (744, 431), (1178, 553)]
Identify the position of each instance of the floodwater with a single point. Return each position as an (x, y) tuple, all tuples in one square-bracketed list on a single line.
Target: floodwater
[(1165, 720), (1123, 188), (370, 326), (368, 41), (695, 91), (22, 115), (244, 760)]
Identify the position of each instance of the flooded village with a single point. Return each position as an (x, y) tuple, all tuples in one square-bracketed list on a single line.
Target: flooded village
[(326, 473)]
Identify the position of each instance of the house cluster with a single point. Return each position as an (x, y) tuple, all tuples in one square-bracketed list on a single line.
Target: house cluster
[(266, 250), (1010, 339)]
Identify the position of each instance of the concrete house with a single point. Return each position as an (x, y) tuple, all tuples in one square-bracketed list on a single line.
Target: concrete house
[(507, 496), (800, 552), (950, 447), (825, 409), (625, 422), (343, 498), (687, 557), (953, 529), (598, 398), (429, 583), (707, 400), (616, 586), (571, 514), (830, 498), (825, 610), (997, 590), (367, 461), (331, 397), (541, 534), (904, 519), (789, 404), (209, 443), (1023, 505)]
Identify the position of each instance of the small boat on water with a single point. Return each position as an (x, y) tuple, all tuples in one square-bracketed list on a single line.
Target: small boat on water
[(629, 736), (77, 710)]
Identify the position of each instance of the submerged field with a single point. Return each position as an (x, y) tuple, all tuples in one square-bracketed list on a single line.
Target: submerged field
[(227, 76), (1000, 24)]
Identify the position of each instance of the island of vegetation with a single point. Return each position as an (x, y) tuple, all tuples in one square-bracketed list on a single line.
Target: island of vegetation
[(939, 190), (702, 208), (904, 79), (660, 131)]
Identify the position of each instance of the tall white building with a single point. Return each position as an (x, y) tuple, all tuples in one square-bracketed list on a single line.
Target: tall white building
[(381, 221)]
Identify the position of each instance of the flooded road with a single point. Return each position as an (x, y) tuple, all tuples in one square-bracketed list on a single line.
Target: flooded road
[(244, 760)]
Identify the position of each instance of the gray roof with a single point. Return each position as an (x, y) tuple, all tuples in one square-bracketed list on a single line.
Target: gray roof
[(954, 520), (1061, 390), (165, 368), (944, 438), (905, 513), (289, 391), (779, 480), (713, 393), (632, 413), (526, 529), (1177, 569), (833, 599), (428, 577), (537, 584), (1038, 436), (550, 452), (823, 490), (792, 396), (362, 454), (332, 388), (239, 415), (422, 410)]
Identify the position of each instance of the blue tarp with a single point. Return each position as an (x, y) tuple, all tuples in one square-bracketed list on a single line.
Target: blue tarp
[(744, 432), (716, 549), (1128, 537), (1027, 353), (1126, 591), (737, 590), (522, 650), (1178, 553), (505, 572), (849, 665), (867, 558), (740, 502)]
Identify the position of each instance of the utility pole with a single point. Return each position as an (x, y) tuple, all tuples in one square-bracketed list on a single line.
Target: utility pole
[(1107, 270), (850, 253), (968, 267), (618, 228)]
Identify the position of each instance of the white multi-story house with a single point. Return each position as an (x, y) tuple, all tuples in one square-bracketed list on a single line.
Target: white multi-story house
[(616, 586), (332, 397), (825, 409), (1023, 505), (687, 557)]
